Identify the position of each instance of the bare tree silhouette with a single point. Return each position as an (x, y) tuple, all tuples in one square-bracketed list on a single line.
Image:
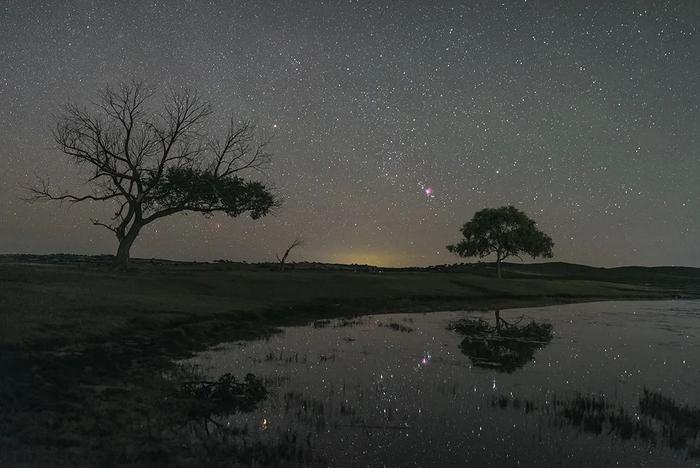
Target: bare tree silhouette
[(283, 259), (153, 164)]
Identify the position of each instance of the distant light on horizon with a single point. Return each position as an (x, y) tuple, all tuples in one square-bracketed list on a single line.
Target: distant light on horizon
[(376, 259)]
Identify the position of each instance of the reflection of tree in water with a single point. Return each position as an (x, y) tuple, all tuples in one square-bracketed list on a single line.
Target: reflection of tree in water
[(659, 420), (202, 410), (504, 346), (227, 395)]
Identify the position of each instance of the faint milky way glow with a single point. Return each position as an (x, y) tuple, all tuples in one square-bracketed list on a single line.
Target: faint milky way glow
[(583, 114)]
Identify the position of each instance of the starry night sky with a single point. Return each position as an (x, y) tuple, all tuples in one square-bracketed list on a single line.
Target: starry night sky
[(583, 114)]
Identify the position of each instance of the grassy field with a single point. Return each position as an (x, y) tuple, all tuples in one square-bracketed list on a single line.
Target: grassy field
[(84, 351)]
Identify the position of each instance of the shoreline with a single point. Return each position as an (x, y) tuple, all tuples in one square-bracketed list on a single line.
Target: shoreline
[(84, 367)]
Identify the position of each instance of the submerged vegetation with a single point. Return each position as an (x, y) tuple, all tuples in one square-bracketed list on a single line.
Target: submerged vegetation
[(658, 419)]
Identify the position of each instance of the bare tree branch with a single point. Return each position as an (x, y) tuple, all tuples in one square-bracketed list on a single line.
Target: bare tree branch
[(43, 193), (108, 226)]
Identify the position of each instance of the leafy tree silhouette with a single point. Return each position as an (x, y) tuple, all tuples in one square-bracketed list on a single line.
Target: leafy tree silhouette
[(504, 347), (506, 232)]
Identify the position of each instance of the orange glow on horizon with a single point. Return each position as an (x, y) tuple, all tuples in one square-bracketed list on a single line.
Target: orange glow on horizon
[(378, 259)]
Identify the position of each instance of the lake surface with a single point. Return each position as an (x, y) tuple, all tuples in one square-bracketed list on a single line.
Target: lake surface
[(596, 384)]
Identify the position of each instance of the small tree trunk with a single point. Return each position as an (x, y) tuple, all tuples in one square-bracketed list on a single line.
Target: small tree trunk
[(121, 260), (498, 266)]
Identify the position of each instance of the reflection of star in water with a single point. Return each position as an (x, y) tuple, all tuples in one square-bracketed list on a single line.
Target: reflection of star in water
[(425, 360)]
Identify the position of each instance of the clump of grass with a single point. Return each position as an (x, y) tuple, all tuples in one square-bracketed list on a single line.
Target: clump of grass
[(396, 327), (344, 322), (286, 358), (680, 424), (662, 420)]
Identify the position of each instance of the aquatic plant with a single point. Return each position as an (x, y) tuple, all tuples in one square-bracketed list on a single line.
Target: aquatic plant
[(660, 420), (396, 327)]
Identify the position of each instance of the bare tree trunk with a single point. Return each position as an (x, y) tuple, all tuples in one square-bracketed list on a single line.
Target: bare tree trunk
[(121, 260), (498, 266), (282, 260)]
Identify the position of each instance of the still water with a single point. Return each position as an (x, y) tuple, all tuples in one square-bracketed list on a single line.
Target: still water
[(597, 384)]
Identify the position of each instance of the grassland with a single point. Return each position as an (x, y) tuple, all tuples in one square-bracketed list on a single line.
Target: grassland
[(84, 351)]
